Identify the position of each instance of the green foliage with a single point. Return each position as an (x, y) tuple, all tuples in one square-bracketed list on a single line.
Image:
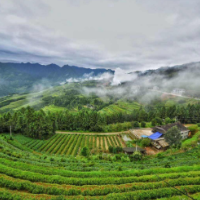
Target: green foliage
[(145, 142), (167, 120), (191, 142), (27, 121), (136, 156), (193, 129), (156, 121), (143, 124), (85, 151), (173, 136), (136, 124)]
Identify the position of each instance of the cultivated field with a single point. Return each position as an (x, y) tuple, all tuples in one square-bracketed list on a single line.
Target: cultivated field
[(29, 175), (71, 144)]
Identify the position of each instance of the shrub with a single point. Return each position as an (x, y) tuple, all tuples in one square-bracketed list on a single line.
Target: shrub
[(85, 151), (145, 142), (111, 149), (167, 120), (160, 156), (167, 165), (136, 124), (136, 156), (143, 124)]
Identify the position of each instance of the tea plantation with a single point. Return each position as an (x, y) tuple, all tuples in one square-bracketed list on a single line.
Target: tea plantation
[(27, 174)]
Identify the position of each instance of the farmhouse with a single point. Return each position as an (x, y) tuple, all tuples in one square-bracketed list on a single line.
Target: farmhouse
[(157, 137), (165, 128), (131, 150)]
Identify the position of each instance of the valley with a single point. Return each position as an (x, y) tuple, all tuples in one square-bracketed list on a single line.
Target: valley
[(90, 140)]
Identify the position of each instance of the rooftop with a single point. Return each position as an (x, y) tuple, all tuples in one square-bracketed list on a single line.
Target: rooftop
[(165, 128)]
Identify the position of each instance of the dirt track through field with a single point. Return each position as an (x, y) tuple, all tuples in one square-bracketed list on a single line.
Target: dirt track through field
[(111, 133)]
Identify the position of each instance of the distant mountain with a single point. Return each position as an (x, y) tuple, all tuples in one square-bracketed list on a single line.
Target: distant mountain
[(171, 71), (20, 77)]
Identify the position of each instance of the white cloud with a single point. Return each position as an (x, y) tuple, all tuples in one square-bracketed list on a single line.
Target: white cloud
[(130, 34)]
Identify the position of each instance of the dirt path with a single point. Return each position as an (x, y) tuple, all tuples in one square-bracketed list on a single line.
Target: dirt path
[(142, 131), (111, 133)]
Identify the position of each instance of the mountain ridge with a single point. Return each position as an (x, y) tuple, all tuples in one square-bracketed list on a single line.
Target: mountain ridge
[(20, 77)]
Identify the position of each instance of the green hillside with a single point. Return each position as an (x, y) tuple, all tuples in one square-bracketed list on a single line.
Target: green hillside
[(26, 174), (67, 97)]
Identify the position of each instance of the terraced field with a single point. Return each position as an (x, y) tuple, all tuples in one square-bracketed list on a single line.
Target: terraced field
[(27, 175), (44, 182), (120, 106), (71, 144)]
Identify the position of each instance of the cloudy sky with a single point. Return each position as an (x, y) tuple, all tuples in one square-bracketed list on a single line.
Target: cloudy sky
[(130, 34)]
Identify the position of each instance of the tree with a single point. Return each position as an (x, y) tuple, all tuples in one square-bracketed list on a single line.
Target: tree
[(173, 136), (85, 151)]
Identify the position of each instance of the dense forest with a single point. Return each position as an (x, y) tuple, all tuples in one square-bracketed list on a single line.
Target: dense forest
[(38, 124)]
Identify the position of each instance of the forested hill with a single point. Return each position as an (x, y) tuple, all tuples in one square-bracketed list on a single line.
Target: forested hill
[(20, 77)]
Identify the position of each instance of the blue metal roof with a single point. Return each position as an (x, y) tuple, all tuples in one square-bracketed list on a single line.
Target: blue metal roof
[(155, 136), (144, 136)]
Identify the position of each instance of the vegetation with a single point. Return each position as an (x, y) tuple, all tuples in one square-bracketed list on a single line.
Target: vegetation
[(173, 136), (38, 163), (70, 144), (27, 175)]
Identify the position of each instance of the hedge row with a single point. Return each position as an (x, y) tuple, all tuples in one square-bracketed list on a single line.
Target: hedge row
[(91, 191), (96, 174), (37, 177), (153, 194)]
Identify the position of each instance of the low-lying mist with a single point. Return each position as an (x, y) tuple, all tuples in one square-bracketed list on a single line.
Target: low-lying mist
[(145, 87)]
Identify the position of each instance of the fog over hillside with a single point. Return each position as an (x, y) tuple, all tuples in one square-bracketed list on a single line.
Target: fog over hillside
[(175, 81)]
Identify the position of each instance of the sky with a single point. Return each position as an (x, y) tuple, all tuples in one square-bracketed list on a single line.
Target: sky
[(127, 34)]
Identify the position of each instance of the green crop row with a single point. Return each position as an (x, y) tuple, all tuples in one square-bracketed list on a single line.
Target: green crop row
[(97, 174), (58, 145), (65, 149), (62, 145), (46, 144), (37, 177), (153, 194), (92, 191), (54, 144), (51, 144), (78, 144), (70, 145)]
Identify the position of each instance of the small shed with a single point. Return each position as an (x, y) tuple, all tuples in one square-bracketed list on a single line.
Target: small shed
[(131, 150)]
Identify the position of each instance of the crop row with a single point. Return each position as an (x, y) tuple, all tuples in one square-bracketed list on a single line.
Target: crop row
[(189, 170), (71, 144), (38, 177), (16, 184)]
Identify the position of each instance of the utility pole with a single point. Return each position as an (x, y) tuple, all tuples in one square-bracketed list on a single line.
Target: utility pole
[(136, 147), (10, 131)]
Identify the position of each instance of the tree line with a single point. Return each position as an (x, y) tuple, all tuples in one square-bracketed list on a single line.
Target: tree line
[(38, 124), (27, 121)]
